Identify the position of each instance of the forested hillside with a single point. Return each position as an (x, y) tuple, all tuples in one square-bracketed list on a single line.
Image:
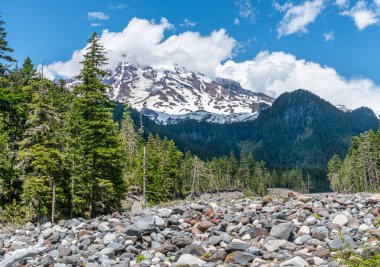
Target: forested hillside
[(300, 130)]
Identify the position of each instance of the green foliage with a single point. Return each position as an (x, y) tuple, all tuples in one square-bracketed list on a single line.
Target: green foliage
[(370, 258), (5, 51), (139, 258), (14, 214), (95, 151), (360, 169)]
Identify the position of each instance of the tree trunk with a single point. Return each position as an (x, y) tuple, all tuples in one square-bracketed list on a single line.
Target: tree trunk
[(193, 181), (53, 200), (144, 178)]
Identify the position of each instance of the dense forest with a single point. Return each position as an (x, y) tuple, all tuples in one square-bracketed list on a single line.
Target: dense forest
[(300, 130), (360, 169), (63, 154)]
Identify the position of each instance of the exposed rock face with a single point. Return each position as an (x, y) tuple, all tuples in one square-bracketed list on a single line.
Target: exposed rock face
[(238, 232)]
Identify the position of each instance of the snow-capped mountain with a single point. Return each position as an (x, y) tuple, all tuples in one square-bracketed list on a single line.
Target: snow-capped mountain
[(167, 96)]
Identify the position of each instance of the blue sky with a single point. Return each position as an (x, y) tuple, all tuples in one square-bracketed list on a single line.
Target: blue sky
[(343, 35)]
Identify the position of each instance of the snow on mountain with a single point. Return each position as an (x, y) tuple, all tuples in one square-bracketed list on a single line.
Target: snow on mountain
[(168, 96), (343, 108)]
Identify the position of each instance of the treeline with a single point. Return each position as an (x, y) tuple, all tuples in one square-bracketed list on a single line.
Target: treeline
[(62, 154), (360, 169)]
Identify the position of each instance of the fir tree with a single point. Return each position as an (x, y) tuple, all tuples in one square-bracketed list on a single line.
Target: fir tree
[(95, 149), (5, 51), (27, 71), (40, 159), (6, 167)]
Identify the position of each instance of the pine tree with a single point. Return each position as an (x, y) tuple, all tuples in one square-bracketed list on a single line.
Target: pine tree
[(6, 166), (334, 166), (95, 151), (27, 71), (5, 51), (40, 159), (171, 169)]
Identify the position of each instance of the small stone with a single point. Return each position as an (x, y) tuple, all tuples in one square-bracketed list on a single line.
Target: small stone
[(73, 260), (189, 260), (109, 238), (304, 230), (136, 207), (295, 262), (320, 232), (242, 258), (266, 199), (165, 213), (304, 198), (64, 251), (340, 219), (363, 228), (204, 225), (109, 252), (215, 240), (159, 221), (234, 246), (47, 233), (282, 231), (103, 227), (146, 224)]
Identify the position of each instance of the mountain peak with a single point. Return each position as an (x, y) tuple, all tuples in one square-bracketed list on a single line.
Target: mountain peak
[(167, 96)]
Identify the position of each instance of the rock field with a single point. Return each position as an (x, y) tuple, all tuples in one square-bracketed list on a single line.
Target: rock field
[(294, 230)]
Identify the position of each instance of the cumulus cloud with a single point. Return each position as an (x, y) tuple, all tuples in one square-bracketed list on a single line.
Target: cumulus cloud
[(329, 36), (187, 23), (236, 21), (245, 9), (97, 15), (278, 72), (271, 73), (297, 18), (364, 15), (188, 49)]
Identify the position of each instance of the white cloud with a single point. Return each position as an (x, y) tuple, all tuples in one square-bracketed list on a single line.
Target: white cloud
[(279, 72), (270, 73), (329, 36), (188, 23), (297, 18), (117, 6), (94, 24), (236, 21), (284, 7), (342, 3), (364, 15), (97, 15), (245, 9), (189, 49)]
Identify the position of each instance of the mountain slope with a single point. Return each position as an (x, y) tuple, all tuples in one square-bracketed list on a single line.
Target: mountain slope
[(171, 96), (299, 130)]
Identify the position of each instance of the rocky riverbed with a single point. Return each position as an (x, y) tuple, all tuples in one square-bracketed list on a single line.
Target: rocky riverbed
[(294, 230)]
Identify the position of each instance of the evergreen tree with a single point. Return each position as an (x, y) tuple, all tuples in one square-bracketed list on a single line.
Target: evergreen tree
[(5, 51), (40, 159), (95, 151), (27, 71), (6, 167)]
